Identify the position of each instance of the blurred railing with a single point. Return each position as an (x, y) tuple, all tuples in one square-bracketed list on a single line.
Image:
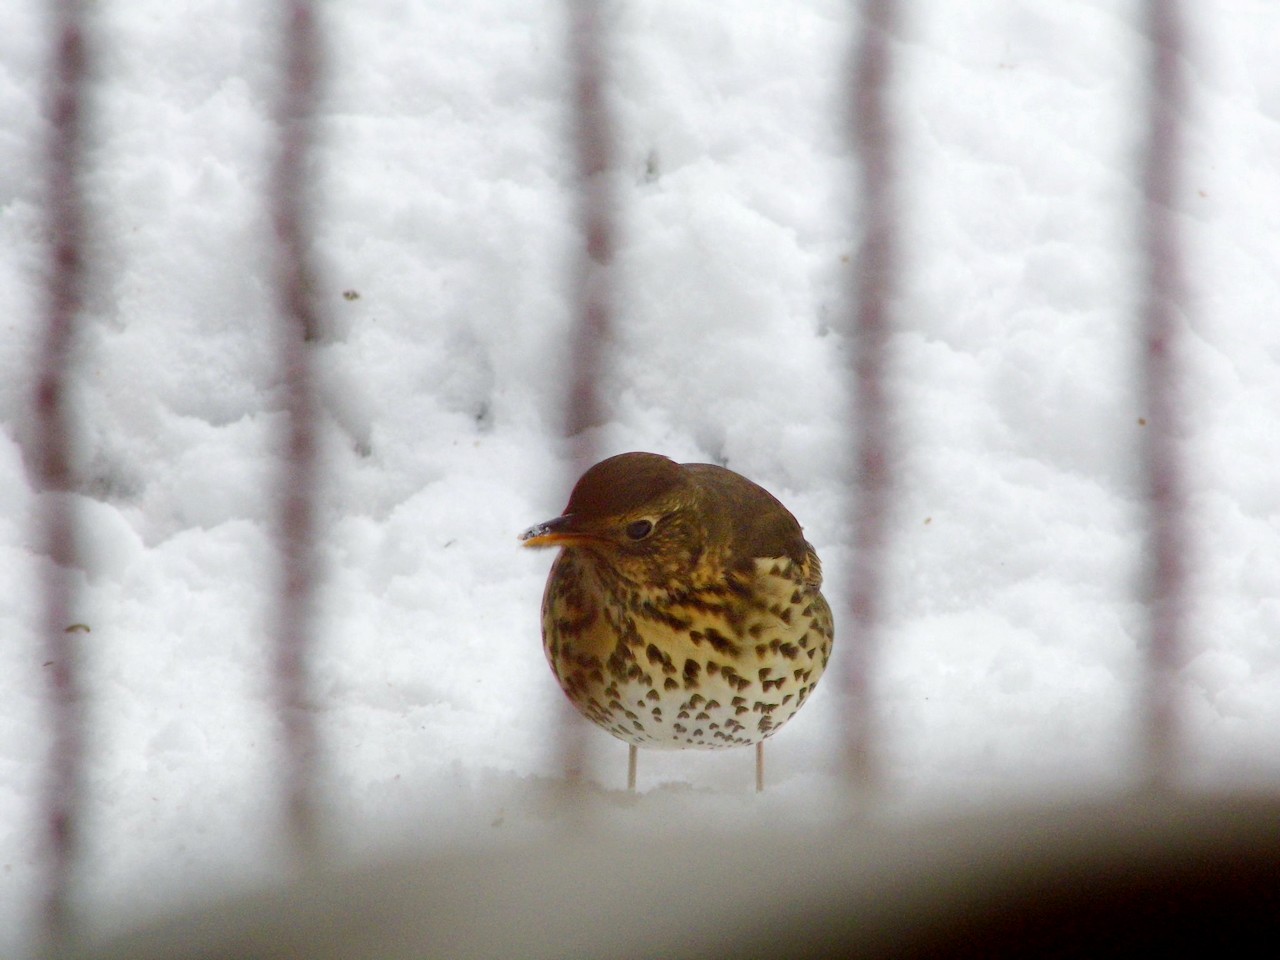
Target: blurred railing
[(58, 523), (870, 324)]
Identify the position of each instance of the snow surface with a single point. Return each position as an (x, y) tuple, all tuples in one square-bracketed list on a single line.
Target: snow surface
[(1013, 653)]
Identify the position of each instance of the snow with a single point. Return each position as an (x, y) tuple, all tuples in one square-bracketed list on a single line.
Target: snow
[(1012, 661)]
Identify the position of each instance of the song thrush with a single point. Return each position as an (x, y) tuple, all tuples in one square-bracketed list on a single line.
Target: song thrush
[(684, 609)]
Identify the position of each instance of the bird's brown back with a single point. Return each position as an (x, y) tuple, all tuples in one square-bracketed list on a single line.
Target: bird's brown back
[(748, 518)]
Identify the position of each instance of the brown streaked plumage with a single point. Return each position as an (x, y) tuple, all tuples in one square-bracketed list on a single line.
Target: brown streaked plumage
[(685, 608)]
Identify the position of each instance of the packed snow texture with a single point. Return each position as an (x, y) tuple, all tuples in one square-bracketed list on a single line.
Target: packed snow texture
[(446, 235)]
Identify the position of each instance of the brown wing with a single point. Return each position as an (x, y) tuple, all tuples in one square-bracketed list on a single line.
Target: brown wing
[(752, 520)]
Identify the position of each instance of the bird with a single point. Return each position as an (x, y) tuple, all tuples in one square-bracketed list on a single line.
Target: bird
[(684, 608)]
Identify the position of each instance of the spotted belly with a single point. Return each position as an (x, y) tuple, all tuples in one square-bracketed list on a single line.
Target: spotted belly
[(706, 671)]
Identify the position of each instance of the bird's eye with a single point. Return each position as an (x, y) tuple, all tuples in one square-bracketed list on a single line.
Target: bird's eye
[(639, 529)]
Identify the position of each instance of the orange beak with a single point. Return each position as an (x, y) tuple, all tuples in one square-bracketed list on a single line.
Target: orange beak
[(563, 531)]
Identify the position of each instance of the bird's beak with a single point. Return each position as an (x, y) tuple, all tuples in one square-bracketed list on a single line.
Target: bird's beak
[(560, 532)]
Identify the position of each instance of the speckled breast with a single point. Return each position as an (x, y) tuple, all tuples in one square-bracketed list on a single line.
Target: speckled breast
[(719, 666)]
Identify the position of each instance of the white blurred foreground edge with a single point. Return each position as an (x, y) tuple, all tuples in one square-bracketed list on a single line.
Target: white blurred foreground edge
[(1090, 878)]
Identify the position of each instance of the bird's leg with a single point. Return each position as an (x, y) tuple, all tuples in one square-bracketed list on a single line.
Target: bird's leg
[(632, 751), (760, 767)]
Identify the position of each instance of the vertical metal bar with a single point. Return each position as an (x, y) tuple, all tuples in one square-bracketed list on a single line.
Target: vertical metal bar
[(1162, 313), (58, 518), (876, 281), (593, 143), (593, 134), (299, 326)]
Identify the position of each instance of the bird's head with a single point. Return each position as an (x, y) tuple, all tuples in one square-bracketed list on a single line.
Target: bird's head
[(636, 512)]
